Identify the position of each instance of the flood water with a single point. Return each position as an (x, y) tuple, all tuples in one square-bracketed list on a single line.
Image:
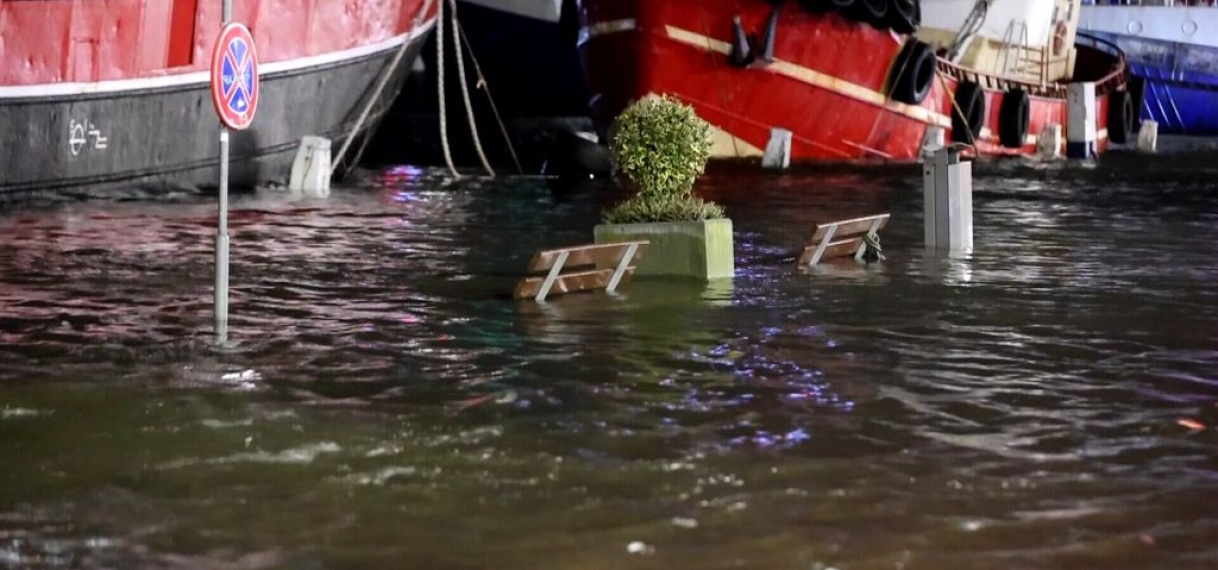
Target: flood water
[(1047, 401)]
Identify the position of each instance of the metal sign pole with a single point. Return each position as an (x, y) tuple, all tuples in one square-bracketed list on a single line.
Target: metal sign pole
[(222, 245), (221, 301)]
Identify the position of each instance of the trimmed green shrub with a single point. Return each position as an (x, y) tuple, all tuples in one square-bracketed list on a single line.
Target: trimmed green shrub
[(662, 146), (642, 209)]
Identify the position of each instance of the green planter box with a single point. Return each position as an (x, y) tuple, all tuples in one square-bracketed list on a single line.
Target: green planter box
[(701, 249)]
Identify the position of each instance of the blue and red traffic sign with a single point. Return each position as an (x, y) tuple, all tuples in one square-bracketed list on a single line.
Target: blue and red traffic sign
[(234, 76)]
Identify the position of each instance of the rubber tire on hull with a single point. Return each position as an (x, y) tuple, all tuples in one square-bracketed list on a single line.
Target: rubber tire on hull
[(904, 16), (872, 12), (1014, 118), (913, 73), (1120, 116), (970, 99), (817, 6)]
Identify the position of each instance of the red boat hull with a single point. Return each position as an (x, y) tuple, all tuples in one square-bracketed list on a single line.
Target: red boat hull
[(826, 83), (105, 94)]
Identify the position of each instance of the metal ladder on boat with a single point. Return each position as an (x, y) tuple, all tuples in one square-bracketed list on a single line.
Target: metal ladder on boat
[(1019, 59), (1014, 45)]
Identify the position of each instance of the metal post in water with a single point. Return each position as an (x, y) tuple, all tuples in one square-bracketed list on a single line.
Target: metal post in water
[(221, 292), (1081, 125), (948, 201), (222, 245)]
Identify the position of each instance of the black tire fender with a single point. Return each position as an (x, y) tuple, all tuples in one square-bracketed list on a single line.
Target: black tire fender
[(904, 16), (1014, 118), (1120, 116), (871, 12), (913, 72), (969, 100)]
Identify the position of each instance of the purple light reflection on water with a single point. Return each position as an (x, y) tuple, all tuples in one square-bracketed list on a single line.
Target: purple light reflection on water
[(766, 439), (405, 171)]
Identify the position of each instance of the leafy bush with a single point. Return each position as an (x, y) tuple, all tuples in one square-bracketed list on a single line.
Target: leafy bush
[(642, 209), (662, 146)]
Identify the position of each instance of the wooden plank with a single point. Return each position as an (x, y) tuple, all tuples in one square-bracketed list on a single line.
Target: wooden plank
[(847, 228), (528, 287), (836, 248), (601, 255)]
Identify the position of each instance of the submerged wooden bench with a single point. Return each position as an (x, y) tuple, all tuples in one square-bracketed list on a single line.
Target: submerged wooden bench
[(580, 268), (841, 239)]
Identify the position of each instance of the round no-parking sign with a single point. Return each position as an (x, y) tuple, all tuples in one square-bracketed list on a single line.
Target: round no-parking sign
[(234, 76)]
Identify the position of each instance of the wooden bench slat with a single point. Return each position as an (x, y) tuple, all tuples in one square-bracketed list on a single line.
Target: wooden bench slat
[(841, 238), (600, 255), (836, 248), (571, 282), (847, 228)]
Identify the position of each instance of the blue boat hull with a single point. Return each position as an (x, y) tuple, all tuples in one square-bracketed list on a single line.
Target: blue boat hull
[(1178, 83), (1180, 102)]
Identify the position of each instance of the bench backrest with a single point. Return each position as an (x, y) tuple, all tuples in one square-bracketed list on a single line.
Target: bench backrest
[(841, 238), (580, 268)]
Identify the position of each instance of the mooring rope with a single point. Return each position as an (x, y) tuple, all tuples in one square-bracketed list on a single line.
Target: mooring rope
[(874, 251), (448, 155), (376, 94), (956, 105), (469, 109), (484, 84)]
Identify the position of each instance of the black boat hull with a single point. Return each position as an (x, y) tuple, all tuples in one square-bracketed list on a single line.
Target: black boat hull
[(164, 131)]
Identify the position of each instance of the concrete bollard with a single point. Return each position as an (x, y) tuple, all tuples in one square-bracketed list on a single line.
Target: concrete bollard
[(778, 150), (1148, 136), (933, 139), (947, 197), (1049, 143), (1080, 120), (311, 167)]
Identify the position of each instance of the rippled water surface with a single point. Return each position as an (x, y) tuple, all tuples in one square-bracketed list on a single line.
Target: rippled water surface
[(1045, 402)]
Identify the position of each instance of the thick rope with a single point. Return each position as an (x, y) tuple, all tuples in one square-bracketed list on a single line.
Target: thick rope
[(376, 94), (469, 109), (874, 251), (484, 84), (448, 155)]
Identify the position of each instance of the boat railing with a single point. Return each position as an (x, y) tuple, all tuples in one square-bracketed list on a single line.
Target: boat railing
[(1116, 77), (1043, 87), (1098, 43), (998, 82), (1170, 3)]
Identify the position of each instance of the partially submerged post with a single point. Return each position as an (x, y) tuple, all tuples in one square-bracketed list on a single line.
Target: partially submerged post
[(1080, 120), (948, 200), (933, 139), (778, 150), (1148, 136), (311, 167), (1049, 143)]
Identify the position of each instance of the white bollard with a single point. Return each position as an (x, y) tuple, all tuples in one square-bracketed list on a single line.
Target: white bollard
[(933, 139), (778, 150), (311, 167), (947, 197), (1081, 132), (1049, 143), (1148, 136)]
